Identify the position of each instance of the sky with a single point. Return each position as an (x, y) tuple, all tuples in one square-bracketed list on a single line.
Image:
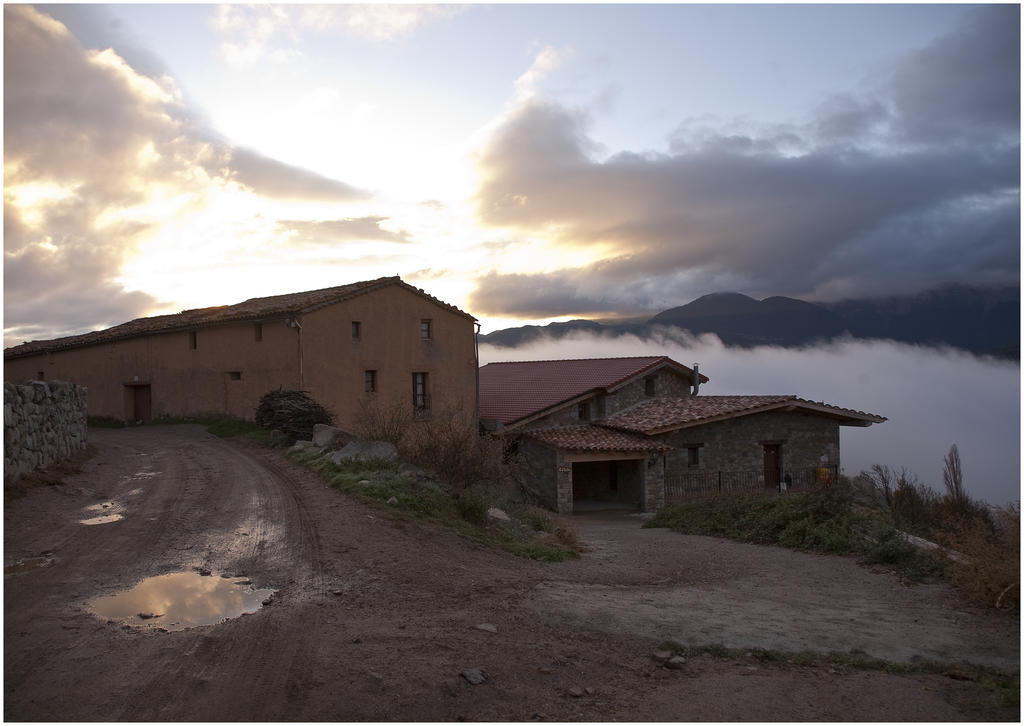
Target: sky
[(527, 163)]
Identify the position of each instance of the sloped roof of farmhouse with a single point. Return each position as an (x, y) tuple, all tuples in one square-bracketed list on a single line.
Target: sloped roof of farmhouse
[(595, 438), (255, 309), (657, 415), (512, 391)]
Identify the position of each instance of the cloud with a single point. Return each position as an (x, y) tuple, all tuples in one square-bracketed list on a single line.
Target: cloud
[(98, 159), (914, 185), (273, 178), (254, 32), (341, 230), (932, 397)]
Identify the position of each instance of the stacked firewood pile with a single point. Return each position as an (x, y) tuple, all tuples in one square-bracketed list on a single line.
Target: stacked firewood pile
[(292, 412)]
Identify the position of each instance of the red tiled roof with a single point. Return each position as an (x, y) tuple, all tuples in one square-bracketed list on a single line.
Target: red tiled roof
[(512, 391), (656, 415), (595, 438), (256, 308)]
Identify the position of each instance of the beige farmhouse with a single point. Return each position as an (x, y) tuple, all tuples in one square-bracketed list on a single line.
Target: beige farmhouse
[(375, 341), (636, 432)]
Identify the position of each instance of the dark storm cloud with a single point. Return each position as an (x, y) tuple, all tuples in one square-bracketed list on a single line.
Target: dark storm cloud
[(913, 185), (341, 230), (86, 139)]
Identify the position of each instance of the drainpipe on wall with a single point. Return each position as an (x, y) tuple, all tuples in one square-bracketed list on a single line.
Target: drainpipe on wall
[(294, 323), (476, 346)]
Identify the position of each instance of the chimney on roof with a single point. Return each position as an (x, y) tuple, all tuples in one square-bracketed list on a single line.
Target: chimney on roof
[(695, 381)]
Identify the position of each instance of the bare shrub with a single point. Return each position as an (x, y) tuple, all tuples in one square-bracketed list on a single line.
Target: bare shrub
[(378, 420), (987, 565), (449, 444)]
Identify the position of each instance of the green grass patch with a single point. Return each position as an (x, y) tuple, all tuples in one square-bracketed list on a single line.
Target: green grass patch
[(824, 521), (103, 422), (406, 497)]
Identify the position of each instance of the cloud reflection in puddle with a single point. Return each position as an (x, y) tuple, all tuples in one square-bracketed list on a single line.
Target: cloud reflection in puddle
[(181, 600)]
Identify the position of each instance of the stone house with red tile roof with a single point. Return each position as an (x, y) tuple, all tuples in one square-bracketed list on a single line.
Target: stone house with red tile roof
[(374, 341), (633, 432)]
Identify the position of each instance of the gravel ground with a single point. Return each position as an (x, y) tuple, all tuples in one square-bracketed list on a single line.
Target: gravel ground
[(377, 620)]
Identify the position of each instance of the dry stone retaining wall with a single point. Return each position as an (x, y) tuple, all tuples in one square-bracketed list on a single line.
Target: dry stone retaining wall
[(44, 423)]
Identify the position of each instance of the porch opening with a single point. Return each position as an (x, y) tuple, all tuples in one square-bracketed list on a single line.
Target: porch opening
[(616, 484)]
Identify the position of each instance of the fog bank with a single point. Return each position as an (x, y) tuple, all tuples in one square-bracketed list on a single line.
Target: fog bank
[(932, 397)]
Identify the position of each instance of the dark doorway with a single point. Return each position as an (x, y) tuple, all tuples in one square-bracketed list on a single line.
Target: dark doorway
[(141, 402), (772, 466)]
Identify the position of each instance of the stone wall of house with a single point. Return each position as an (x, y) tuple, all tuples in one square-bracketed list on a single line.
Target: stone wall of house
[(737, 444), (654, 485), (44, 423), (535, 466)]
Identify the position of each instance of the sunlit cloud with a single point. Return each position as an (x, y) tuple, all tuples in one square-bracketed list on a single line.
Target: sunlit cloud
[(107, 184)]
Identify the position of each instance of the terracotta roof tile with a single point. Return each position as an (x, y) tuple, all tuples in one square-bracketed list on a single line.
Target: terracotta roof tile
[(256, 308), (667, 413), (512, 391), (594, 438)]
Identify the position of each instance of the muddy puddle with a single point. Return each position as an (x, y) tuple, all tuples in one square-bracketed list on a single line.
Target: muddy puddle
[(103, 513), (182, 600)]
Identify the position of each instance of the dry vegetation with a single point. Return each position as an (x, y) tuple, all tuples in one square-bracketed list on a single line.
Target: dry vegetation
[(979, 544)]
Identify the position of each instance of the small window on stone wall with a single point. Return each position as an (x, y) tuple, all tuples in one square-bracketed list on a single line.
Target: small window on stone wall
[(649, 386), (234, 375), (693, 455), (258, 332), (192, 342), (583, 411)]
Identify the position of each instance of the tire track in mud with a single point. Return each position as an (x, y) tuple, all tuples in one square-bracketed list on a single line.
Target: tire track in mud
[(241, 668)]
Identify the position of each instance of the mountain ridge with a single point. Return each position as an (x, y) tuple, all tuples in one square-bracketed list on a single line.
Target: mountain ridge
[(982, 320)]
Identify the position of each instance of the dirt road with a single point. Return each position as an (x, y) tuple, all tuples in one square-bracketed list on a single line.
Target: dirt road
[(376, 620)]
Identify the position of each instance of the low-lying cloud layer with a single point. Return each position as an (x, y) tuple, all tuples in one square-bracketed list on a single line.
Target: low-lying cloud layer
[(933, 398), (912, 184)]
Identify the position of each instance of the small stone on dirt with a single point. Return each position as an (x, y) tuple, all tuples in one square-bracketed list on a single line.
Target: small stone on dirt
[(150, 616), (393, 501), (487, 627), (676, 662), (475, 676), (203, 572), (496, 515), (661, 655), (575, 692)]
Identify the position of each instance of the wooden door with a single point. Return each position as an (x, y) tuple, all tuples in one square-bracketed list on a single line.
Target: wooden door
[(142, 403), (772, 466)]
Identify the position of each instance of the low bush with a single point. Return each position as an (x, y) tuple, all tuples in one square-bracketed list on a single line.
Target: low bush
[(983, 557), (821, 521)]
